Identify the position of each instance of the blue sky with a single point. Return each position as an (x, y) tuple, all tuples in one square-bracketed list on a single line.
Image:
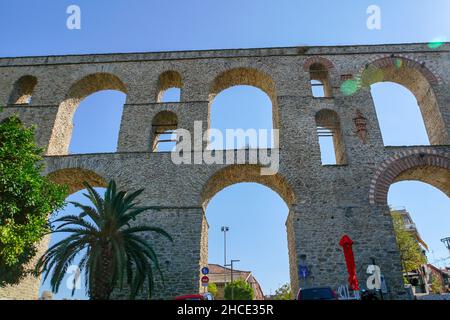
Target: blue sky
[(39, 28)]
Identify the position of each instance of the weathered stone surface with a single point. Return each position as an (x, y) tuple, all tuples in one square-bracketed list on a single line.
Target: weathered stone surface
[(324, 202)]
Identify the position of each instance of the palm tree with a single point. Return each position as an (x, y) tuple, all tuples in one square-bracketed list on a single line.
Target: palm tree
[(115, 252)]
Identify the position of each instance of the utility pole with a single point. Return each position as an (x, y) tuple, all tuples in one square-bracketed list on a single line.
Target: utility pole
[(225, 229)]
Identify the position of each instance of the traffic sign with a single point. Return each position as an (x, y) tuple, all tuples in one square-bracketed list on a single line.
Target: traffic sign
[(205, 281), (303, 271), (205, 271)]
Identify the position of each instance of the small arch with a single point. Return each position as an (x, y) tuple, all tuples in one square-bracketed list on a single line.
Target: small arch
[(62, 130), (10, 118), (73, 178), (167, 82), (422, 165), (320, 81), (23, 90), (234, 174), (164, 126), (330, 137), (418, 79), (245, 76), (321, 60)]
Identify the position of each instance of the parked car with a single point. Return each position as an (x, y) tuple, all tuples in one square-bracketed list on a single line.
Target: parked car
[(203, 296), (322, 293)]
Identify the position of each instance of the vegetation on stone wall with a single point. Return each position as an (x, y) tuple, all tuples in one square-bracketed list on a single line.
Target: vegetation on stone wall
[(26, 199), (411, 254), (239, 290), (117, 255)]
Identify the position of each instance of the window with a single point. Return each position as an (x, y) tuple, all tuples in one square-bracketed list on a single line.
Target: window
[(164, 127), (330, 138), (320, 84)]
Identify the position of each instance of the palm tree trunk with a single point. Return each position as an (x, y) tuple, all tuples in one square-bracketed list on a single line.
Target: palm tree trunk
[(103, 286)]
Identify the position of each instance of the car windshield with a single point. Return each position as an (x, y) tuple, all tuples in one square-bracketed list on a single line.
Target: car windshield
[(316, 294)]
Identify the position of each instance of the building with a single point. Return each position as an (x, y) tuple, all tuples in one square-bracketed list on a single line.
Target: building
[(442, 275), (410, 226), (421, 280), (221, 276), (417, 278)]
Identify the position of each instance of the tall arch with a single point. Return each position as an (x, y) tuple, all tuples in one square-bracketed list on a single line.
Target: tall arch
[(73, 178), (234, 174), (245, 76), (418, 79), (62, 129), (422, 165)]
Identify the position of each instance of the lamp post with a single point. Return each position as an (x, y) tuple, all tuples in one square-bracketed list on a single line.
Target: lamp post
[(225, 229), (446, 242), (231, 265)]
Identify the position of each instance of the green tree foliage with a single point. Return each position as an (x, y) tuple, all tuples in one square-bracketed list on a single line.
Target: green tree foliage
[(116, 252), (239, 290), (436, 285), (26, 199), (283, 293), (410, 251), (212, 288)]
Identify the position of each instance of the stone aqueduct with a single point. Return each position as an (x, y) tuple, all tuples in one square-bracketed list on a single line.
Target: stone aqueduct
[(324, 202)]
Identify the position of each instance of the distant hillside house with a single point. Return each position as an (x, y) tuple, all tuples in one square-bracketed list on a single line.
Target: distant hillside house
[(416, 278), (221, 276)]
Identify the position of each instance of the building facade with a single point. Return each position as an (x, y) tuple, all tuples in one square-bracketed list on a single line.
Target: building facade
[(222, 276), (324, 202)]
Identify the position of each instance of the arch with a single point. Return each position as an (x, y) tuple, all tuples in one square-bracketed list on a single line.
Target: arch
[(418, 79), (428, 166), (164, 123), (167, 80), (245, 76), (23, 90), (329, 125), (321, 60), (234, 174), (73, 178), (8, 119), (62, 129)]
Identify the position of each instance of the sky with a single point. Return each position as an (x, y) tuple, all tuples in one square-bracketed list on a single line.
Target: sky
[(107, 26)]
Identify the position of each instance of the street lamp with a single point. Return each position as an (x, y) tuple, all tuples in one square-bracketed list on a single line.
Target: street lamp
[(446, 242), (225, 229)]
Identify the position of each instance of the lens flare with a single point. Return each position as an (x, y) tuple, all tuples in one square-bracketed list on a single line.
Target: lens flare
[(436, 43), (398, 63), (349, 87)]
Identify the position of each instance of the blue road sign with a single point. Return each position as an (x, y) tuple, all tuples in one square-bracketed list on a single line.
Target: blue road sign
[(303, 271), (205, 271)]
